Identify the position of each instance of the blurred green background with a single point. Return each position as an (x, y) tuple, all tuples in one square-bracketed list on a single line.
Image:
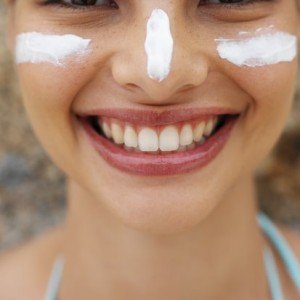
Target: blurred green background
[(32, 188)]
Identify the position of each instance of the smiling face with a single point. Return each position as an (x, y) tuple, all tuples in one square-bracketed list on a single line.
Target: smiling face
[(177, 165)]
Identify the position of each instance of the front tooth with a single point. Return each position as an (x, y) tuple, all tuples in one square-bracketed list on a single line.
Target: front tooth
[(186, 135), (117, 133), (106, 130), (169, 139), (148, 140), (130, 137), (209, 127), (198, 131)]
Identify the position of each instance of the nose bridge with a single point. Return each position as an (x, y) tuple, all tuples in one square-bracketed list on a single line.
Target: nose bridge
[(159, 61), (159, 45)]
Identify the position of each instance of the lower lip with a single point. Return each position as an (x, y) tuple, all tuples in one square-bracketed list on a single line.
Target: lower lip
[(163, 164)]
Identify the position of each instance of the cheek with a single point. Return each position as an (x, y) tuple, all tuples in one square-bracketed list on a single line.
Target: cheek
[(48, 93), (272, 99), (48, 67), (267, 70), (271, 91)]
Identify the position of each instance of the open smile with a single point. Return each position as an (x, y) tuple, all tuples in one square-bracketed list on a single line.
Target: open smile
[(148, 143)]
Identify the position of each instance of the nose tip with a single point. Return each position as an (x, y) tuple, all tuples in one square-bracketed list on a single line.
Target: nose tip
[(160, 65)]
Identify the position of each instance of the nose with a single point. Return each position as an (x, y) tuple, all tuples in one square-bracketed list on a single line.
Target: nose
[(158, 62)]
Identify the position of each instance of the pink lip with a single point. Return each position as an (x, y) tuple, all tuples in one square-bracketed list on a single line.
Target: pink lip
[(164, 164), (156, 118)]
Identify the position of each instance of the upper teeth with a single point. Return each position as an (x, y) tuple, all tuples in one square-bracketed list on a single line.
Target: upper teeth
[(163, 138)]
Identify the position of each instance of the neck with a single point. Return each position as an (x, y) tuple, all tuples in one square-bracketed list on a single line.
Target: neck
[(220, 256)]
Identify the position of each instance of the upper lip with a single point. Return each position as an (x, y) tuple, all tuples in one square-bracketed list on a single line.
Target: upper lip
[(156, 118)]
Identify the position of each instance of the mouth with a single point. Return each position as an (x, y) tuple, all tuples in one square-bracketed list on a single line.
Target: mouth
[(168, 148)]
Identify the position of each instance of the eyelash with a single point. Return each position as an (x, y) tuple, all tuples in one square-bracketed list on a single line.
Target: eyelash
[(61, 3), (235, 5)]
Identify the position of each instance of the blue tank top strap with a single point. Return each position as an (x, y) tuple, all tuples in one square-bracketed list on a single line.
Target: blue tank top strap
[(287, 255), (272, 275), (55, 278)]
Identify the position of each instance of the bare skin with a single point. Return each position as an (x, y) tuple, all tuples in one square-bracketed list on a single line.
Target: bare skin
[(27, 267), (191, 236)]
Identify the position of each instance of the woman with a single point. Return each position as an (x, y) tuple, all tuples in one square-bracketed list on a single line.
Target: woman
[(158, 112)]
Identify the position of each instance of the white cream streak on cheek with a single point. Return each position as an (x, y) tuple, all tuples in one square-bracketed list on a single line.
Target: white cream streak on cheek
[(34, 47), (159, 45), (264, 49)]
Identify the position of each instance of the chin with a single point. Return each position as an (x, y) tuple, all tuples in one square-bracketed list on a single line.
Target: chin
[(159, 211)]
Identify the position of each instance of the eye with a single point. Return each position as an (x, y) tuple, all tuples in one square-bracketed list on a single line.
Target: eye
[(230, 2), (90, 2), (236, 10), (82, 3), (227, 1)]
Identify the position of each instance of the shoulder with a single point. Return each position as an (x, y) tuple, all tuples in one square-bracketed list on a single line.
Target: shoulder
[(25, 269)]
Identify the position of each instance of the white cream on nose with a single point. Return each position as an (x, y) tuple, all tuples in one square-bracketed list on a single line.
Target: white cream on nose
[(265, 47), (35, 47), (159, 45)]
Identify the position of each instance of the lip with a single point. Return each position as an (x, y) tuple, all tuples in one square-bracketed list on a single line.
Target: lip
[(147, 164), (156, 118)]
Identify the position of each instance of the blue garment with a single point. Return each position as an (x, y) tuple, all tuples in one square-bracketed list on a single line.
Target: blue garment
[(287, 255)]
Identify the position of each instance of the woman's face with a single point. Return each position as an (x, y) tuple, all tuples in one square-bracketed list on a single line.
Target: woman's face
[(114, 75)]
